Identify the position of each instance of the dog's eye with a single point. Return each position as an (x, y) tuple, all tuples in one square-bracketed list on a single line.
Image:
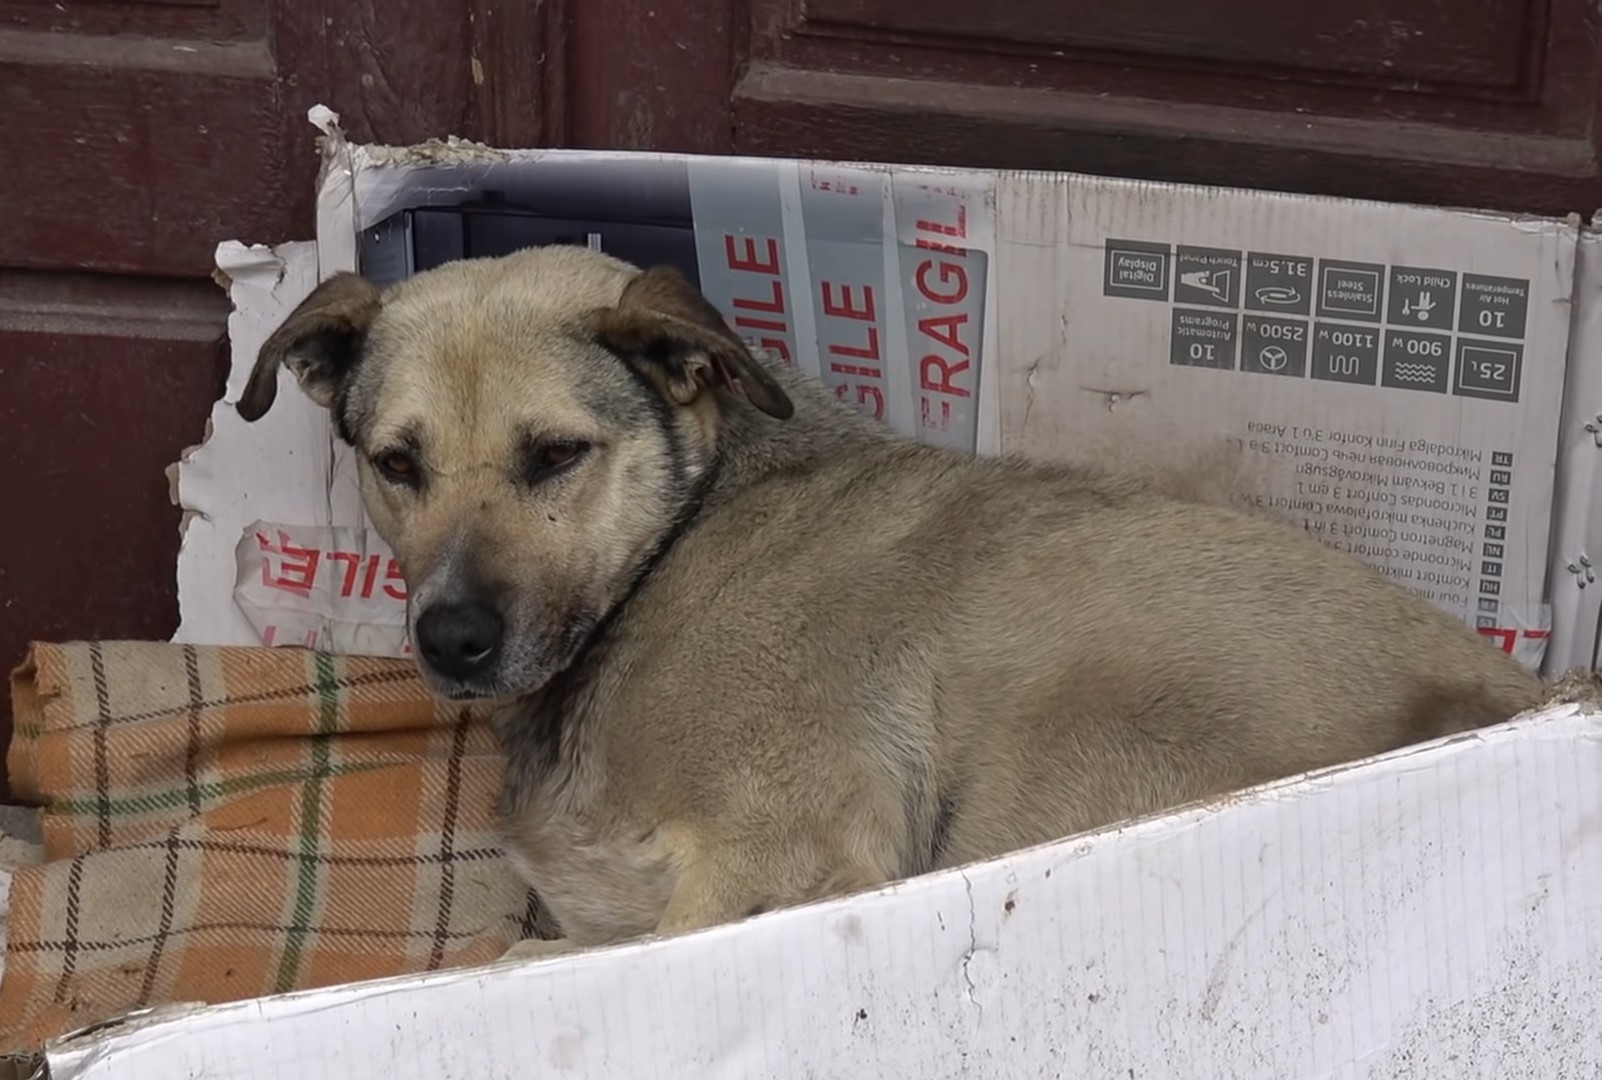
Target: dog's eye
[(550, 458), (397, 466)]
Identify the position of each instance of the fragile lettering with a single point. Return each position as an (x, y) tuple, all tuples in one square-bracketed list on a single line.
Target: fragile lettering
[(860, 362), (762, 313), (942, 280), (292, 568)]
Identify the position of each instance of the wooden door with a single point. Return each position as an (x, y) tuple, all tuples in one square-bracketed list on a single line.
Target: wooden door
[(1485, 103), (134, 136)]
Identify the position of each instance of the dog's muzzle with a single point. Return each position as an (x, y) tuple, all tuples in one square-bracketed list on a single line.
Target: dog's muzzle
[(461, 641)]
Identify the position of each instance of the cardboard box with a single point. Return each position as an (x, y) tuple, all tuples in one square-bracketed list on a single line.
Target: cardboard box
[(1433, 913), (1389, 376), (1386, 376)]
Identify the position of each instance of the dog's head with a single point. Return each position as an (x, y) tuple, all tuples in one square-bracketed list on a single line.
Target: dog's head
[(528, 430)]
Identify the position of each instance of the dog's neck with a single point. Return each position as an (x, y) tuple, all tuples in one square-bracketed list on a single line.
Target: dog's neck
[(753, 447)]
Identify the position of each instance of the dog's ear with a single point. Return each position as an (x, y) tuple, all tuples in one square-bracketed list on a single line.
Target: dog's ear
[(320, 342), (664, 326)]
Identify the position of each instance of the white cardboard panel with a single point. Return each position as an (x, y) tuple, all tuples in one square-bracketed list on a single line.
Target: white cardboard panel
[(1436, 912), (1447, 488), (1576, 562)]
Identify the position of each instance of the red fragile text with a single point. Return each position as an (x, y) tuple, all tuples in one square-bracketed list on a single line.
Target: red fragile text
[(942, 280), (825, 183), (761, 312), (289, 567), (1507, 637), (861, 364)]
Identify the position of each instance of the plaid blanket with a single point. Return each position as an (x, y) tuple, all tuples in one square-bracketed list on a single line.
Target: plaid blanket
[(222, 823)]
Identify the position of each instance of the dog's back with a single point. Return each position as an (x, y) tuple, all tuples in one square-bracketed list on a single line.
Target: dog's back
[(1071, 650)]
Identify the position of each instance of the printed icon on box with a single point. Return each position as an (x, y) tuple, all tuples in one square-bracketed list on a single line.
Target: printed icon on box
[(1209, 277), (1136, 270), (1420, 308), (1422, 298), (1271, 346), (1488, 369), (1278, 296), (1416, 361), (1348, 354), (1407, 372), (1494, 306), (1214, 283), (1281, 284), (1350, 290), (1201, 338)]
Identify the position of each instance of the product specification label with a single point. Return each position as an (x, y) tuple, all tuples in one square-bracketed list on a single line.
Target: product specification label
[(1423, 298), (1431, 515), (1346, 353), (1273, 346), (1395, 327), (1494, 306), (1350, 290), (1137, 270), (1281, 284), (1207, 276), (1417, 361), (1203, 339)]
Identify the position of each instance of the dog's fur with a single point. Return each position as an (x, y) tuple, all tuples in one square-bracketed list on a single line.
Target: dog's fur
[(758, 649)]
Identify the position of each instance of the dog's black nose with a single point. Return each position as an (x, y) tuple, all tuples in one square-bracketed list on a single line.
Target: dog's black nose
[(460, 641)]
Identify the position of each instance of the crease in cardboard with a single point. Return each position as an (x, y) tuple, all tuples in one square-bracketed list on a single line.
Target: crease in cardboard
[(1577, 522)]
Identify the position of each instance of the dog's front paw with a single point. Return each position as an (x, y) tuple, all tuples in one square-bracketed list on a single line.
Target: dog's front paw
[(537, 949)]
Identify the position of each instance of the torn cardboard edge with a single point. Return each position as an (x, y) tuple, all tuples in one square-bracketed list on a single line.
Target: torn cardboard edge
[(1209, 940), (213, 479)]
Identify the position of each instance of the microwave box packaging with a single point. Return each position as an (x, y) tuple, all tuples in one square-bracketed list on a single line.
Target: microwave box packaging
[(1389, 377)]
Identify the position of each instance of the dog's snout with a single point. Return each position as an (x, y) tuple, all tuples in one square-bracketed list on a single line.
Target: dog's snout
[(460, 641)]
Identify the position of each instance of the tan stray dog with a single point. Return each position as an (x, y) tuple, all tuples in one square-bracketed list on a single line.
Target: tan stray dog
[(753, 649)]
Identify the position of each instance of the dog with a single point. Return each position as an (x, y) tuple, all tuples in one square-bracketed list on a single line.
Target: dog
[(748, 648)]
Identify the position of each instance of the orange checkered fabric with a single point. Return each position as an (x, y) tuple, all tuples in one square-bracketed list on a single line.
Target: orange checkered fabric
[(223, 823)]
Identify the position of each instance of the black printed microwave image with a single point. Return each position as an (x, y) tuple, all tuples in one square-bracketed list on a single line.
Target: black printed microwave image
[(641, 217)]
